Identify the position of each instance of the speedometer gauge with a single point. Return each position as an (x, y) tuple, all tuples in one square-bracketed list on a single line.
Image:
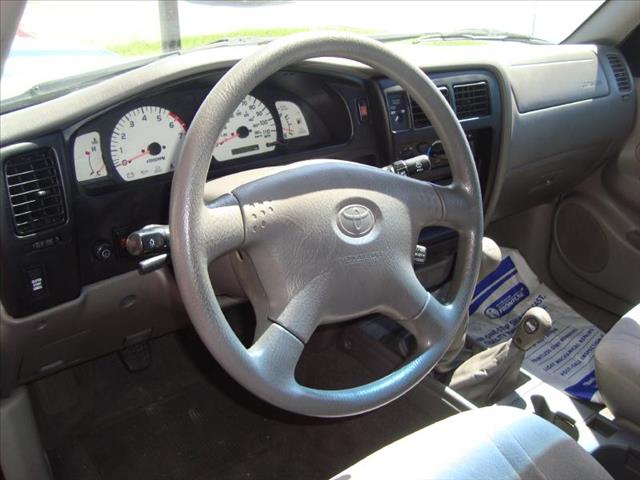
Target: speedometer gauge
[(146, 142), (250, 130)]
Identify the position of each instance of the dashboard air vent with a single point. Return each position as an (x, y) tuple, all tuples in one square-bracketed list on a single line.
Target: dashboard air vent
[(420, 119), (472, 100), (35, 191), (619, 72)]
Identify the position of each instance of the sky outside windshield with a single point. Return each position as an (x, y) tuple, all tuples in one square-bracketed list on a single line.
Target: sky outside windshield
[(71, 37)]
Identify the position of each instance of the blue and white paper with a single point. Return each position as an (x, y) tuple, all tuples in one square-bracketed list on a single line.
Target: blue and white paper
[(565, 357)]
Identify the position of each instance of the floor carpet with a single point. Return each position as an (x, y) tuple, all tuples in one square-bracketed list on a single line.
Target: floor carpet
[(184, 418)]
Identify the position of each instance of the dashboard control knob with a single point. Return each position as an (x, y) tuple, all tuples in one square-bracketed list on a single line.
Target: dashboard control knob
[(103, 251)]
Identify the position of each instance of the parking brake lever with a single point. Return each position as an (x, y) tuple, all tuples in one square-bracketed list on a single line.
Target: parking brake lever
[(561, 420)]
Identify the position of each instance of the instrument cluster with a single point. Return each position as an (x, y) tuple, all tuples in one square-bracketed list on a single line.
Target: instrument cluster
[(291, 116), (146, 141)]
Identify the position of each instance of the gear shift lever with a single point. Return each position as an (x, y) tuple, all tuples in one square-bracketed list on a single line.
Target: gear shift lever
[(492, 373), (533, 326)]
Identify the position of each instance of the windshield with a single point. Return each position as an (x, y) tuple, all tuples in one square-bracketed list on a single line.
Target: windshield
[(60, 40)]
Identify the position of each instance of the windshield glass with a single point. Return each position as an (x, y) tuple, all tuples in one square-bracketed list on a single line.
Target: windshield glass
[(60, 40)]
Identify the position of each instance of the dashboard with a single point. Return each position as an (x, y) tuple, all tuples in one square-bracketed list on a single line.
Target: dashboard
[(112, 171), (84, 171), (116, 165)]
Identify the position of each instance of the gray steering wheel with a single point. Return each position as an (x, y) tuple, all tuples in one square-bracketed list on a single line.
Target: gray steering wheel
[(329, 240)]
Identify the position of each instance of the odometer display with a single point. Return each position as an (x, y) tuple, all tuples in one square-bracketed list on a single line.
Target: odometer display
[(251, 130), (146, 142)]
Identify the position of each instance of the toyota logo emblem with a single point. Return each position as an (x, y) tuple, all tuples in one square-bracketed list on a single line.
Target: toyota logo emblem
[(356, 220)]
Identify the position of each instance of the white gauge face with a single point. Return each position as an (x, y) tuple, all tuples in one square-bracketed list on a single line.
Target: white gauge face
[(146, 142), (293, 122), (251, 130), (87, 157)]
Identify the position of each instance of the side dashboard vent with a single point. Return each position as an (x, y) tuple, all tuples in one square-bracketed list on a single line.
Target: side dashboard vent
[(619, 72), (472, 100), (35, 191), (420, 119)]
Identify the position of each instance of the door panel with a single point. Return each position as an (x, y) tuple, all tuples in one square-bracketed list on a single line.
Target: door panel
[(595, 252)]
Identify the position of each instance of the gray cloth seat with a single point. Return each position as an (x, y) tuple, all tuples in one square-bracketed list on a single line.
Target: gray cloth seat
[(618, 369), (487, 443)]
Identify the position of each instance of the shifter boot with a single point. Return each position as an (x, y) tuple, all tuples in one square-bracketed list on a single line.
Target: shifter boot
[(493, 373)]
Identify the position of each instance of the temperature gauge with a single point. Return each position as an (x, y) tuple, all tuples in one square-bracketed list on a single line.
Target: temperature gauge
[(293, 123), (87, 157)]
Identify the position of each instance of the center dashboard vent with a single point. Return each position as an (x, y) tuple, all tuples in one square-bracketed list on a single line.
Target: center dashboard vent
[(619, 72), (420, 119), (35, 191), (472, 100)]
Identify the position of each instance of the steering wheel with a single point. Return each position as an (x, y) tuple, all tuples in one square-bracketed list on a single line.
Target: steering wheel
[(329, 240)]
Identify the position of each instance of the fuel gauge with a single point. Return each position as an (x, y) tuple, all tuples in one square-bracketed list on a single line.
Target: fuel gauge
[(293, 122), (87, 157)]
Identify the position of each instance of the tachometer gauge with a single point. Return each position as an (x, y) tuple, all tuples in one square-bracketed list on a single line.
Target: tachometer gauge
[(250, 130), (87, 157), (146, 142), (293, 122)]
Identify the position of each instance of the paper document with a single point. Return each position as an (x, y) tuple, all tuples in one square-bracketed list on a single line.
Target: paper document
[(565, 357)]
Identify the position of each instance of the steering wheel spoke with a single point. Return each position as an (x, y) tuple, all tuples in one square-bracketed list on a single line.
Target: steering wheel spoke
[(275, 356), (432, 324), (433, 204), (422, 313), (221, 227), (457, 206), (303, 313)]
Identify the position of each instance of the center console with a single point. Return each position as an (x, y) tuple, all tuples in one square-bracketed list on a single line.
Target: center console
[(475, 99), (474, 96)]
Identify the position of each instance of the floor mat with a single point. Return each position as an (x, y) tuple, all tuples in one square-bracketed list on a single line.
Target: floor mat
[(184, 418), (565, 357)]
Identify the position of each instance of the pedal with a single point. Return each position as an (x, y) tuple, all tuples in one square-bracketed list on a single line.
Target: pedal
[(136, 353), (136, 357)]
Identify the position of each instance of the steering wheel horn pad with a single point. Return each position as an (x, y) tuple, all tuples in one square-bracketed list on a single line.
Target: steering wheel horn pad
[(329, 240)]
